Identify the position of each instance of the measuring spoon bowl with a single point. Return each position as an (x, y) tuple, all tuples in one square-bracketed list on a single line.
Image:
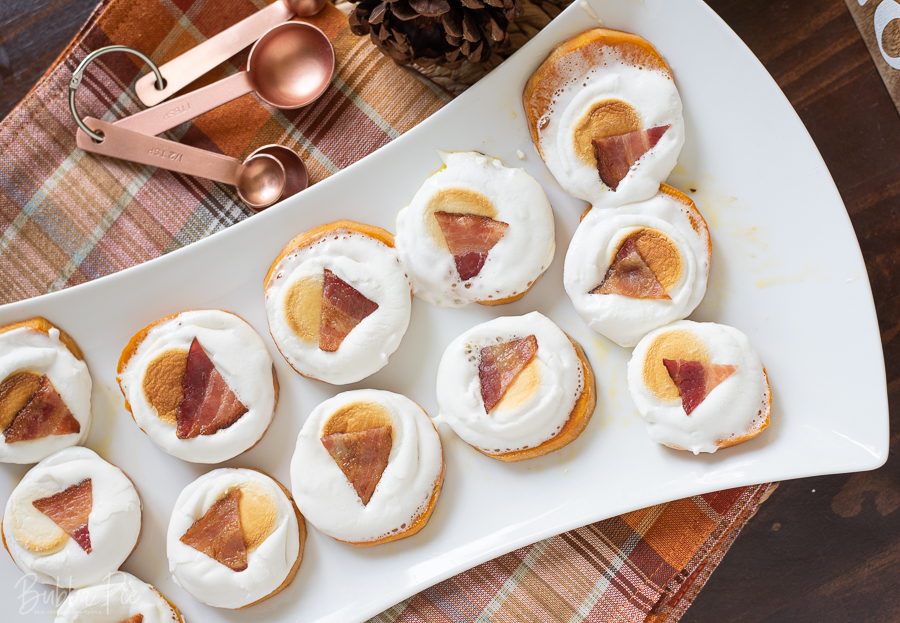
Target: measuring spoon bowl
[(296, 174), (291, 65), (261, 181)]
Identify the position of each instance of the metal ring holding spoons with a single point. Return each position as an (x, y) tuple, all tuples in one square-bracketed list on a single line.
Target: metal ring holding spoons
[(78, 74)]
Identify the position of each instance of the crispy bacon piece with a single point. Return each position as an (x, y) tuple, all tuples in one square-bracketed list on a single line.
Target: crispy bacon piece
[(616, 154), (70, 510), (629, 275), (343, 307), (470, 238), (500, 365), (362, 456), (43, 415), (695, 379), (209, 405), (218, 533), (138, 618)]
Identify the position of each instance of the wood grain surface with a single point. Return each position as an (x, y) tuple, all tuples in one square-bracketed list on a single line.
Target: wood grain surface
[(879, 35), (828, 549), (821, 549)]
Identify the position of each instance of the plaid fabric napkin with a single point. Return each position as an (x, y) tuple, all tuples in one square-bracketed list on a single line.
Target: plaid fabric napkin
[(67, 217)]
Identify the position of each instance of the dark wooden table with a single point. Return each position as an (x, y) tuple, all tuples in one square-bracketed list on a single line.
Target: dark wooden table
[(821, 549)]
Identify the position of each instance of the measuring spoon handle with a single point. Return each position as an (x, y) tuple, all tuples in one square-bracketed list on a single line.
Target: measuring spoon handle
[(184, 69), (158, 152), (166, 116)]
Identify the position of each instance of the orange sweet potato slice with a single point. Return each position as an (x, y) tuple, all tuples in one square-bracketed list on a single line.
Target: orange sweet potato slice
[(470, 238), (343, 307), (209, 405), (695, 379), (70, 510), (43, 415), (587, 49), (500, 365), (617, 154), (362, 456), (218, 533), (138, 618), (629, 275)]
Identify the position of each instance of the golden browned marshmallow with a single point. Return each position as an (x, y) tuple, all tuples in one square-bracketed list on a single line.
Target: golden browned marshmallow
[(357, 417), (303, 307), (34, 530), (610, 117), (163, 383), (455, 201), (258, 513), (672, 345), (526, 383), (661, 255)]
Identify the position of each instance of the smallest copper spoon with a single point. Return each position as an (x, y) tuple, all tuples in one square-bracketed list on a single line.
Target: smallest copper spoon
[(260, 180)]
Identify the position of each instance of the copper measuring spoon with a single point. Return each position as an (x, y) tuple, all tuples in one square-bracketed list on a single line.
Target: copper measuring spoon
[(153, 121), (183, 70), (270, 173), (296, 175), (260, 180), (289, 67)]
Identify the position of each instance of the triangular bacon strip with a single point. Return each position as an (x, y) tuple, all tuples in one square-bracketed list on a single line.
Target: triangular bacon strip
[(70, 510), (470, 238), (218, 533), (209, 405), (695, 379), (616, 154), (343, 307), (500, 365), (629, 275), (362, 456), (43, 415)]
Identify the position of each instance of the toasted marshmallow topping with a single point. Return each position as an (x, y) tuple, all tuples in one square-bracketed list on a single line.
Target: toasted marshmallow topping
[(608, 99), (534, 408), (117, 598), (29, 350), (270, 528), (733, 407), (472, 183), (325, 495), (294, 306), (679, 259), (236, 351), (114, 523)]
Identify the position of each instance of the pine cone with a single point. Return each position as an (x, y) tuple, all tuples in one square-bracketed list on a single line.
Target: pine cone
[(436, 32)]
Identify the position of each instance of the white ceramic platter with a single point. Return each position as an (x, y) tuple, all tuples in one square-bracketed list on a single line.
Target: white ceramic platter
[(786, 270)]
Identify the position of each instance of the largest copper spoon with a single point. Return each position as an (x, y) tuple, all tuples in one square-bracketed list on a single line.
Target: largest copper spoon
[(181, 71), (289, 67)]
